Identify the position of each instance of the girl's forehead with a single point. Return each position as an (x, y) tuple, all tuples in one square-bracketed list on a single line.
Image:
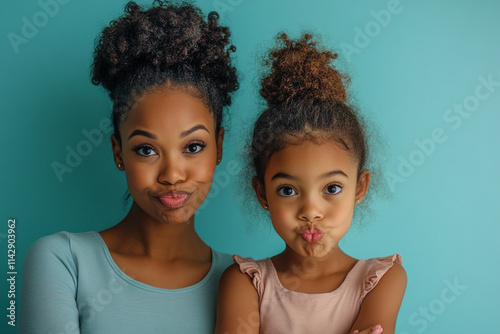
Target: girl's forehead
[(312, 159)]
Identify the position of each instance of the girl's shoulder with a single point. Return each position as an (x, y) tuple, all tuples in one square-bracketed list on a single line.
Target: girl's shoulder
[(247, 270), (249, 265), (382, 263), (384, 288), (375, 269)]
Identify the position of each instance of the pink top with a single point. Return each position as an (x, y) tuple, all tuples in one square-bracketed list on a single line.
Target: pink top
[(287, 311)]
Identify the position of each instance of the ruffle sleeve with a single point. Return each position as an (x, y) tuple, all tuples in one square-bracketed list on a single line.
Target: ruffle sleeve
[(250, 267), (378, 268)]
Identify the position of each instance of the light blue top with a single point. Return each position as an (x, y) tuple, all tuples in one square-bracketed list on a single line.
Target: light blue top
[(72, 285)]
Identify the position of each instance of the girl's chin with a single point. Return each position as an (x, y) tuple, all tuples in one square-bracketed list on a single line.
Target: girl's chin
[(316, 250), (315, 253)]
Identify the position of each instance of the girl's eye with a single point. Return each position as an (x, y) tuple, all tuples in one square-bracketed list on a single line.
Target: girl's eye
[(287, 191), (333, 189), (145, 151), (195, 148)]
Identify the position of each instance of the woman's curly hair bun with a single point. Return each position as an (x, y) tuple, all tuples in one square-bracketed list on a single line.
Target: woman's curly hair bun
[(168, 37)]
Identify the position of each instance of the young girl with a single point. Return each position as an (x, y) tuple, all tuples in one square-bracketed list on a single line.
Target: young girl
[(169, 74), (308, 153)]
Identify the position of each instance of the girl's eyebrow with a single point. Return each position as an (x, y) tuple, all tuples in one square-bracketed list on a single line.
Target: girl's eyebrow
[(193, 129), (323, 176), (283, 176), (333, 173)]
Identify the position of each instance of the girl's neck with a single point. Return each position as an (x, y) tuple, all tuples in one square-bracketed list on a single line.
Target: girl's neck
[(290, 262), (312, 274), (138, 234)]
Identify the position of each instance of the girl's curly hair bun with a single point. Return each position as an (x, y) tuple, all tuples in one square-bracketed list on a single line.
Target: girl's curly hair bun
[(301, 71)]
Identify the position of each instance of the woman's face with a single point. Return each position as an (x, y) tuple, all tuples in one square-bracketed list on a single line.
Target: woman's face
[(169, 152)]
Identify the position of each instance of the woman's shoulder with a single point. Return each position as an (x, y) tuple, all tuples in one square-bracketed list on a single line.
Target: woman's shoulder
[(66, 239), (221, 259), (59, 255), (63, 244), (220, 262)]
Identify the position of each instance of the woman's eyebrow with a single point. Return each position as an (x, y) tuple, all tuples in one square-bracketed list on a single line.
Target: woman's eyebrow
[(182, 135), (193, 129), (142, 133)]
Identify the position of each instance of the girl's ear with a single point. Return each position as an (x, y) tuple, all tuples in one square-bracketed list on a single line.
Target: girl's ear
[(362, 186), (117, 152), (260, 192), (220, 140)]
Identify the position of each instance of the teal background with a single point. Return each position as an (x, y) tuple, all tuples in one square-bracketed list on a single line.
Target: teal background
[(407, 74)]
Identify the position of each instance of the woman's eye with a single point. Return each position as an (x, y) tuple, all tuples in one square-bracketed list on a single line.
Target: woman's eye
[(145, 151), (195, 148), (287, 191), (333, 189)]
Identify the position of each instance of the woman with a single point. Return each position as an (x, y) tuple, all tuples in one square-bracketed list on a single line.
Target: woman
[(169, 74)]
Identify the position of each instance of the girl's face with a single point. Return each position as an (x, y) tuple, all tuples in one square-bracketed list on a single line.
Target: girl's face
[(169, 152), (310, 190)]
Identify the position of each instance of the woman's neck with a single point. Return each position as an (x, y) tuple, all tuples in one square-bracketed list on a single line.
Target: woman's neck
[(139, 234)]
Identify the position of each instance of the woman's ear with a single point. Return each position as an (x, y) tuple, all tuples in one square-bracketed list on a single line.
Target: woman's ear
[(260, 192), (117, 152), (362, 186), (220, 140)]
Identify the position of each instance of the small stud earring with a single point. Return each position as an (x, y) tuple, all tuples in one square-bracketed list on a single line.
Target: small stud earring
[(119, 165), (357, 201), (218, 161), (266, 207)]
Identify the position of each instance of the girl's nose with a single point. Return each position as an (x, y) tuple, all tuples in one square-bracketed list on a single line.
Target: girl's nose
[(310, 210)]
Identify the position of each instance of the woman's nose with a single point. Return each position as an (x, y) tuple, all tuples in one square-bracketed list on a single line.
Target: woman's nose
[(172, 171)]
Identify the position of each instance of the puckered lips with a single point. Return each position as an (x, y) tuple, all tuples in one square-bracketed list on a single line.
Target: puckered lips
[(311, 234), (174, 199)]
